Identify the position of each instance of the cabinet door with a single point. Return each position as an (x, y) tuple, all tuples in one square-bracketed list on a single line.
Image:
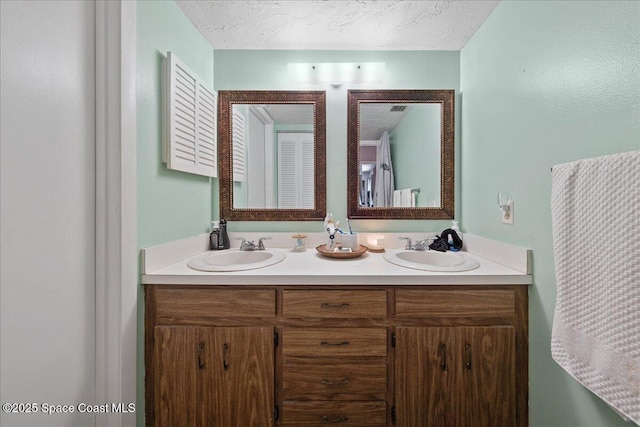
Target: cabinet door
[(243, 383), (214, 376), (486, 391), (176, 375), (425, 373)]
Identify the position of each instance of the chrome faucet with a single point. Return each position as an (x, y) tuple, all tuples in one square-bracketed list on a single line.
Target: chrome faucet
[(261, 243), (250, 245), (420, 245), (409, 245)]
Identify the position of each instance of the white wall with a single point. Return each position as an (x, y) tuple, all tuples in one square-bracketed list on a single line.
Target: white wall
[(48, 208)]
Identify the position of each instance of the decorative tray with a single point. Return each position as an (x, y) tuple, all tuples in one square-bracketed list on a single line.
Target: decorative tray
[(341, 255)]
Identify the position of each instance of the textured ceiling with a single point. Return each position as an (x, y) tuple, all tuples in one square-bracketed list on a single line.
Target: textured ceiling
[(338, 25)]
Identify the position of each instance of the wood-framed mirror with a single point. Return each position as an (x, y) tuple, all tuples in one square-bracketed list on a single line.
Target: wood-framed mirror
[(272, 155), (400, 158)]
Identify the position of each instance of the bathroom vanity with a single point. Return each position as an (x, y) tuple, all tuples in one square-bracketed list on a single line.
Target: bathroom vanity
[(313, 341)]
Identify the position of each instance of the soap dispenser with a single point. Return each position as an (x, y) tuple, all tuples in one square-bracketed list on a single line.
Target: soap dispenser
[(223, 241), (214, 237)]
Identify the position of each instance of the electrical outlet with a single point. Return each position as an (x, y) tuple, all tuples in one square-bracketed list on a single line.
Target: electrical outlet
[(507, 212)]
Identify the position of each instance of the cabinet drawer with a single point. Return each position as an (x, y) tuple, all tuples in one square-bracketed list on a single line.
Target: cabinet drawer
[(329, 342), (184, 305), (341, 381), (335, 304), (471, 304), (358, 414)]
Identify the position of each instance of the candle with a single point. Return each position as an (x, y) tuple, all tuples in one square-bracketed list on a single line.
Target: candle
[(375, 242)]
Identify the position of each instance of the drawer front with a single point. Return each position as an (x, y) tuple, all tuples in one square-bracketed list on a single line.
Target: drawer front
[(473, 304), (335, 304), (357, 414), (340, 381), (329, 342), (177, 305)]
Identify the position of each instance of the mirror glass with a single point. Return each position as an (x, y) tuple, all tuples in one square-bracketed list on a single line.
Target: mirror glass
[(275, 145), (273, 156), (400, 159)]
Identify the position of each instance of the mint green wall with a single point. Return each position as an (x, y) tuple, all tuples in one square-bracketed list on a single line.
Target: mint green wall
[(267, 70), (415, 145), (171, 205), (546, 82)]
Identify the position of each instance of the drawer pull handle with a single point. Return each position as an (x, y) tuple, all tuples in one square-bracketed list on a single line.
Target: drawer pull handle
[(200, 360), (225, 356), (338, 420), (468, 364), (343, 381), (327, 343), (443, 349), (329, 305)]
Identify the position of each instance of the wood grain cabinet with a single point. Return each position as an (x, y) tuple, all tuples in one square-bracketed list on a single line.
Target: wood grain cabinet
[(335, 373), (461, 357), (412, 356), (204, 366)]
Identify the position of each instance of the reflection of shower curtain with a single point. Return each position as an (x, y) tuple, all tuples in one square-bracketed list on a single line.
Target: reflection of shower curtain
[(383, 192)]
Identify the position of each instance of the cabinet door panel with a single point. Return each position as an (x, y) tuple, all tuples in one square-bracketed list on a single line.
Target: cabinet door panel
[(176, 375), (425, 371), (244, 376), (486, 388)]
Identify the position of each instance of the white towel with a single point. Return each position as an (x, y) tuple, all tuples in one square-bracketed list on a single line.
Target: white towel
[(397, 198), (404, 198), (595, 206)]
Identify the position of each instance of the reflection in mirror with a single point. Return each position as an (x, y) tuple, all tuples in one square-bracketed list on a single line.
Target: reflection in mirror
[(274, 144), (400, 154), (411, 134), (273, 156)]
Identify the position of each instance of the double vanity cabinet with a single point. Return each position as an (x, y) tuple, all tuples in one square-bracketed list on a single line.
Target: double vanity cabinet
[(316, 355), (316, 341)]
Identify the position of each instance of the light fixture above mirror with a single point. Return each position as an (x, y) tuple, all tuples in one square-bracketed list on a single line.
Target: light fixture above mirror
[(272, 151), (400, 154), (336, 73)]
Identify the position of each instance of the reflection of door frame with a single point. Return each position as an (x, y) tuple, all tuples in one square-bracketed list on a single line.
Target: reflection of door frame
[(269, 153)]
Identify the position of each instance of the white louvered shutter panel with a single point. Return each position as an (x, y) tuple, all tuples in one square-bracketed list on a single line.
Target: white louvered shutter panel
[(287, 171), (190, 140), (306, 184), (238, 136)]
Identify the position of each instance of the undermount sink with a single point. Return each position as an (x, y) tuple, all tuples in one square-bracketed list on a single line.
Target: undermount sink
[(235, 260), (431, 260)]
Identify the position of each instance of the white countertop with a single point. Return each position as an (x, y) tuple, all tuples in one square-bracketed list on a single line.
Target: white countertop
[(312, 268)]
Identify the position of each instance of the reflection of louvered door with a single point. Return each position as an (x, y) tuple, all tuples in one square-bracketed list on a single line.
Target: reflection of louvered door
[(295, 170), (239, 152), (190, 121)]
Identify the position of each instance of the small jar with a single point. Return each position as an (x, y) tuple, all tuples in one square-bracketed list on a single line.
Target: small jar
[(299, 242)]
